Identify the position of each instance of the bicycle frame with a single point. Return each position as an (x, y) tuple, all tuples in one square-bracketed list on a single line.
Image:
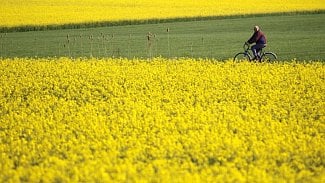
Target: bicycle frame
[(247, 47)]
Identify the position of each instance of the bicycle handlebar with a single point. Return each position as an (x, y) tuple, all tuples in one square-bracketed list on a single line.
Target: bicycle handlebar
[(246, 46)]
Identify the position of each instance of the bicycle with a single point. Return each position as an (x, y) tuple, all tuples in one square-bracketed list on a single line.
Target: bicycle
[(247, 56)]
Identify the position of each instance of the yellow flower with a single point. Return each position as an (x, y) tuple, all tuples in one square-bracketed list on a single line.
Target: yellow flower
[(20, 12), (119, 120)]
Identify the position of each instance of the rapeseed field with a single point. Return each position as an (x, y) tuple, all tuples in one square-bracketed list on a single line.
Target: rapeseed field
[(48, 12), (161, 120)]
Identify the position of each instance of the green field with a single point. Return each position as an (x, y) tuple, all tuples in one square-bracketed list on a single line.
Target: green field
[(299, 36)]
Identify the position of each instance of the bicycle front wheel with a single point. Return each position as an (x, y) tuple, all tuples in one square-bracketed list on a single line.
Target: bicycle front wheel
[(268, 57), (242, 57)]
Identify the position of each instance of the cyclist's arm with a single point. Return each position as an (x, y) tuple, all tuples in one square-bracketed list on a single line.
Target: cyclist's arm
[(253, 38)]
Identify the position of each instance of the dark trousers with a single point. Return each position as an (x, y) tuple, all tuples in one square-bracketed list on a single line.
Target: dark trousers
[(257, 48)]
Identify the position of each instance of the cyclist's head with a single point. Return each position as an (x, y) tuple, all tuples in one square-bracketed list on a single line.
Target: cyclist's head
[(256, 28)]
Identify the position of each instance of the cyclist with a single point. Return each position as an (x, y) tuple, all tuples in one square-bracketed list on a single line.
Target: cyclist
[(260, 42)]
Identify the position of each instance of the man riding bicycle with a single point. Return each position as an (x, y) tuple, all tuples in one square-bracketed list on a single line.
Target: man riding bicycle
[(260, 42)]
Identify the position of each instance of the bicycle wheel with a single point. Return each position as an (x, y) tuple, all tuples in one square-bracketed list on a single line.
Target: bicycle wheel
[(242, 57), (268, 57)]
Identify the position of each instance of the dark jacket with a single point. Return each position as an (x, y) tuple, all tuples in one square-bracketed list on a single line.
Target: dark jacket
[(258, 37)]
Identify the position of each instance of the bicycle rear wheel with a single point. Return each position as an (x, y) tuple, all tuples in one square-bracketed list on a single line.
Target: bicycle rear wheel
[(268, 57), (242, 57)]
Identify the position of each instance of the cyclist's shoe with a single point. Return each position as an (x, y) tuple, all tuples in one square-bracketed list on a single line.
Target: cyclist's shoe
[(259, 58), (256, 58)]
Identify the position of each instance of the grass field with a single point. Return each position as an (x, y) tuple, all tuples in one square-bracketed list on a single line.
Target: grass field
[(300, 36)]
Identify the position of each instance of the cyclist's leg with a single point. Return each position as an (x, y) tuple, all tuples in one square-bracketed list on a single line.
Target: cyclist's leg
[(256, 49)]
